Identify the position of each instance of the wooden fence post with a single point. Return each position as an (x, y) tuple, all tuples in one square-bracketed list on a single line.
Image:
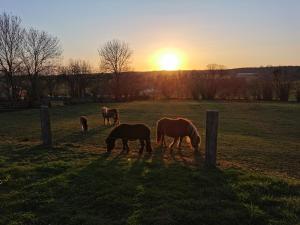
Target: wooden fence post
[(46, 134), (212, 120)]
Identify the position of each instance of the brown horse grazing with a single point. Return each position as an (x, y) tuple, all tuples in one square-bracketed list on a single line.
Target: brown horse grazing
[(178, 129), (83, 123), (110, 113), (129, 132)]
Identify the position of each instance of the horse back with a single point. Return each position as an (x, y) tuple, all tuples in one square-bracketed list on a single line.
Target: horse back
[(174, 127), (108, 113), (113, 111), (132, 131)]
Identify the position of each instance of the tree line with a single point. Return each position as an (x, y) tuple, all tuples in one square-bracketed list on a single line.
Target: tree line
[(76, 83), (32, 53), (24, 51)]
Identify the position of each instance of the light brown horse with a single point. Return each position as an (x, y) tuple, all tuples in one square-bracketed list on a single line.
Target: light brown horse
[(110, 113), (177, 129)]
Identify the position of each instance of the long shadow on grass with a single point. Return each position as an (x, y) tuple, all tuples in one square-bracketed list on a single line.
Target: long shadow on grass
[(157, 188), (24, 153), (172, 192), (79, 136), (145, 189)]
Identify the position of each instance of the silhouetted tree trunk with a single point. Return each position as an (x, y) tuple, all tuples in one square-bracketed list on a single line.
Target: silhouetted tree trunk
[(282, 84), (76, 75), (51, 83), (267, 90)]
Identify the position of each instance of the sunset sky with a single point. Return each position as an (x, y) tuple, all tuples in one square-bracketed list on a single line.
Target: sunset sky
[(236, 33)]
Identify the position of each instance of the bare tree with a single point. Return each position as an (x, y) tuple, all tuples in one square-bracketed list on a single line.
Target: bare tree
[(215, 70), (76, 72), (39, 52), (209, 84), (11, 38), (78, 66), (115, 58), (50, 79), (282, 83)]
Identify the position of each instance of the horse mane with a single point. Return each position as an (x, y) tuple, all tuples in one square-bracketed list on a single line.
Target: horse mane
[(194, 130), (191, 127)]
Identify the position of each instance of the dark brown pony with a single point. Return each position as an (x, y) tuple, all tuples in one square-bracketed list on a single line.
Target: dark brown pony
[(110, 113), (177, 129), (129, 132), (83, 123)]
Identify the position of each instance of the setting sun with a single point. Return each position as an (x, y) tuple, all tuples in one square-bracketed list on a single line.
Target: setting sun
[(169, 61)]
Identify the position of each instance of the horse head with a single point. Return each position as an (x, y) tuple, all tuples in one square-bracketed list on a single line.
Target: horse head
[(110, 143), (196, 141), (104, 110)]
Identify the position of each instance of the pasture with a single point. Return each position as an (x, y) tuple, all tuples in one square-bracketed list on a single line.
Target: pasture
[(76, 182)]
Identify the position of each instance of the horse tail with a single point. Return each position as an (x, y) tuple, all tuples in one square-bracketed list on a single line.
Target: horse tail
[(158, 132)]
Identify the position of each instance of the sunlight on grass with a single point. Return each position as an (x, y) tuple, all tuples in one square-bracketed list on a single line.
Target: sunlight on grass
[(76, 182)]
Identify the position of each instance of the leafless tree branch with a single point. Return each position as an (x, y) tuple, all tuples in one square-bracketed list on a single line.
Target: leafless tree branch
[(39, 52), (115, 58), (11, 40)]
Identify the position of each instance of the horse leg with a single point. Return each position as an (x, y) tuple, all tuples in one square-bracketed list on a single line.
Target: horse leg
[(174, 142), (127, 147), (148, 145), (180, 141), (124, 141), (163, 141), (142, 145)]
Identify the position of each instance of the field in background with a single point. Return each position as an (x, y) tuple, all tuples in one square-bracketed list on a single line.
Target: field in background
[(76, 182)]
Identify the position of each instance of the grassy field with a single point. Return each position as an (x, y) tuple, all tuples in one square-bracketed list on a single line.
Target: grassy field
[(75, 182)]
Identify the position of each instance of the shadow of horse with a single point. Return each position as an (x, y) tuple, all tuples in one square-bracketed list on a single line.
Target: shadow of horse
[(79, 136), (121, 188)]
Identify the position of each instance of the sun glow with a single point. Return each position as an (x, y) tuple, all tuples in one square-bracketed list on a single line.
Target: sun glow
[(167, 59)]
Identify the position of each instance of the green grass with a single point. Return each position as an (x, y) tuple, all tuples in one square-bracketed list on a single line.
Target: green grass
[(76, 182)]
